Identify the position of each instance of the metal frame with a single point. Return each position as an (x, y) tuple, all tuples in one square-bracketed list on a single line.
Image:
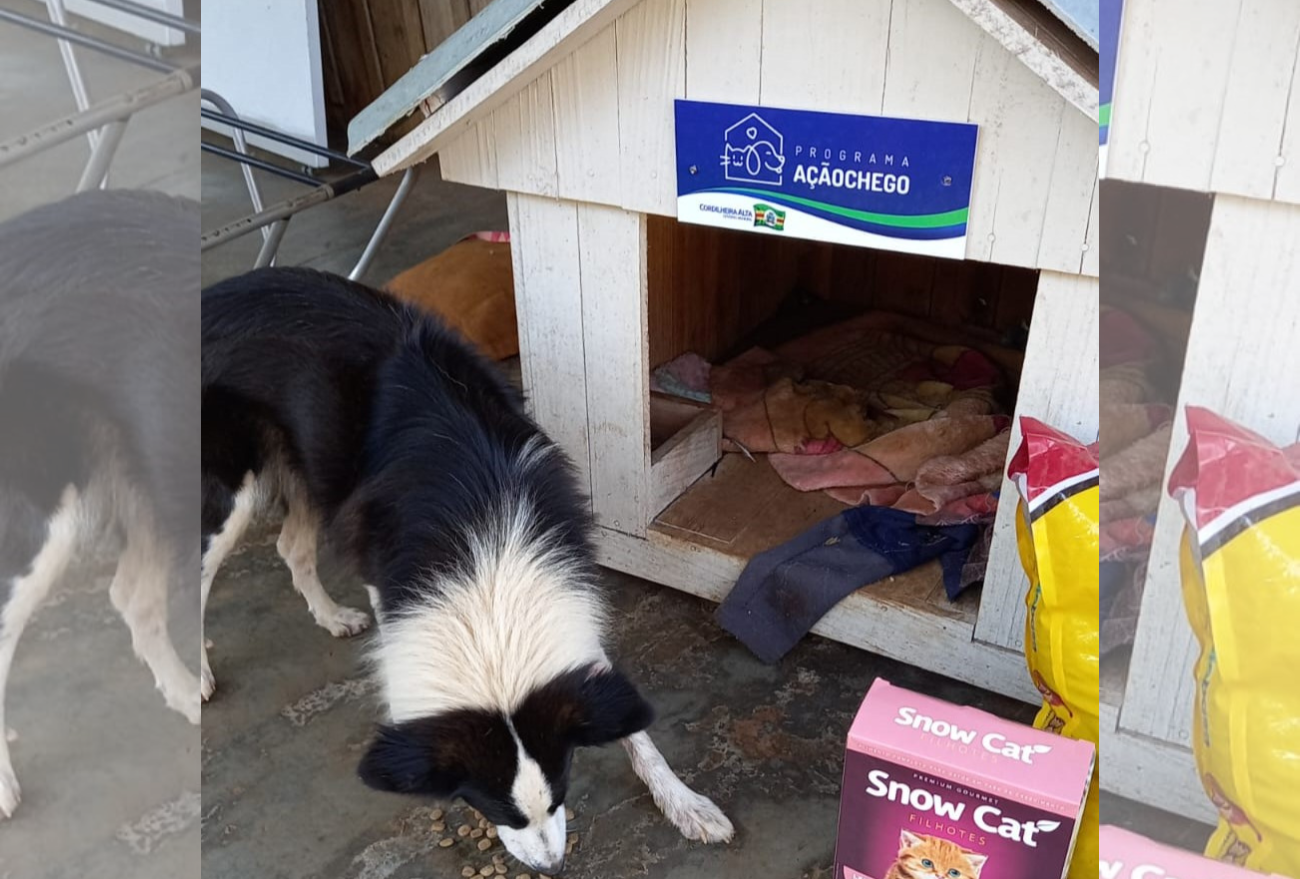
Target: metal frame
[(273, 221), (103, 123)]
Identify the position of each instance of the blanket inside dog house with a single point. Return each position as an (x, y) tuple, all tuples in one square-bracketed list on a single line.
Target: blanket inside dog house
[(569, 109)]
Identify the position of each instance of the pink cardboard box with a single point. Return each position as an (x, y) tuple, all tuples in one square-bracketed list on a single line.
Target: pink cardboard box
[(1126, 855), (938, 791)]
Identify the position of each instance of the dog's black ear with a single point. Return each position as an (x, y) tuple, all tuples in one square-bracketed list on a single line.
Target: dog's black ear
[(403, 759), (610, 708)]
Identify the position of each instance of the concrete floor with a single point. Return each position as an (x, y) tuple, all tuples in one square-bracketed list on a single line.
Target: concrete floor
[(283, 737)]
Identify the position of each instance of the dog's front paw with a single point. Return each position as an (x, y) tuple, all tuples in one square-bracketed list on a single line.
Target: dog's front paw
[(345, 622), (10, 792), (699, 819)]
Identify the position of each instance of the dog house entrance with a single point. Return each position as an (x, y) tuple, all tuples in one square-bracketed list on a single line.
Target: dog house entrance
[(719, 298)]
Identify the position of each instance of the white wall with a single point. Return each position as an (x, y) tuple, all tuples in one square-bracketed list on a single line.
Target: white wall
[(264, 57)]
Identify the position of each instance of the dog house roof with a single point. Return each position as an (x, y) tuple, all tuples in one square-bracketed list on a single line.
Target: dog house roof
[(511, 42)]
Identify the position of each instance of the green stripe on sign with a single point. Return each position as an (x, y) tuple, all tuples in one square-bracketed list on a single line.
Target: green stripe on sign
[(901, 221), (1104, 116)]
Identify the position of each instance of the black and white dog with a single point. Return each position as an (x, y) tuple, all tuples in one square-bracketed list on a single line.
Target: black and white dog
[(99, 422), (378, 424)]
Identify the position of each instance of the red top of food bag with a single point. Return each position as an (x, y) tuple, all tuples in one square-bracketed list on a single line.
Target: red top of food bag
[(1227, 471), (1126, 855), (1048, 462), (973, 747)]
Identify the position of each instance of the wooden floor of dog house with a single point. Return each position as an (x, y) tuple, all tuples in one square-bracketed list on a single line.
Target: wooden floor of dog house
[(744, 508)]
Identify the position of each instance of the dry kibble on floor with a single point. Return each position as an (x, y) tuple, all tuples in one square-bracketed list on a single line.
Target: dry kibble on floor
[(523, 876), (467, 872), (446, 843), (484, 844), (478, 816), (498, 859), (437, 814), (501, 869), (476, 833), (487, 871), (463, 830), (568, 814), (483, 823), (439, 826), (491, 833)]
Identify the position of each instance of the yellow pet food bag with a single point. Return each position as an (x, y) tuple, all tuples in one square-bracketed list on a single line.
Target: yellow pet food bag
[(1240, 563), (1058, 535)]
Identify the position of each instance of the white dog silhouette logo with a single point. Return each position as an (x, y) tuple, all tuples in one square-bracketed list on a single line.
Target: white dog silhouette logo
[(754, 153)]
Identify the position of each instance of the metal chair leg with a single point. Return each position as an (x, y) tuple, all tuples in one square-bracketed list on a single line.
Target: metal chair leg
[(385, 223), (101, 157)]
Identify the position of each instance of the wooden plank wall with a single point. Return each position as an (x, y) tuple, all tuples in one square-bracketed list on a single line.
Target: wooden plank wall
[(367, 45), (1242, 361), (1034, 200), (587, 381), (1207, 97), (1059, 385), (710, 287)]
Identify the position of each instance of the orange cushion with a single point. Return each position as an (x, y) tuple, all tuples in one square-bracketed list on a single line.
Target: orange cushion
[(471, 286)]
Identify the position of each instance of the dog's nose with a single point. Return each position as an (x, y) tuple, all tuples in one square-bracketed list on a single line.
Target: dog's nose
[(554, 869)]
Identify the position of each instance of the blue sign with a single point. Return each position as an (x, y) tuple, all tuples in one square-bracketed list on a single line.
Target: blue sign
[(1112, 12), (893, 184)]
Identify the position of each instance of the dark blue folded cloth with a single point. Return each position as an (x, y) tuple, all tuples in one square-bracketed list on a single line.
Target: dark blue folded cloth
[(783, 592)]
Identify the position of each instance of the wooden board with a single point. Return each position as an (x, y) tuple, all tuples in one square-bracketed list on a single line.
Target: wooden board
[(442, 18), (731, 76), (685, 441), (1221, 118), (527, 122), (829, 55), (1114, 674), (933, 47), (1152, 772), (1044, 45), (1059, 386), (472, 158), (398, 34), (1063, 240), (651, 74), (1018, 116), (568, 30), (1090, 263), (585, 87), (1242, 360), (548, 294), (702, 542), (611, 245)]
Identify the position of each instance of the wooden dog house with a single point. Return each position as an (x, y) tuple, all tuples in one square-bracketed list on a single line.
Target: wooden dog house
[(576, 125), (1220, 121)]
